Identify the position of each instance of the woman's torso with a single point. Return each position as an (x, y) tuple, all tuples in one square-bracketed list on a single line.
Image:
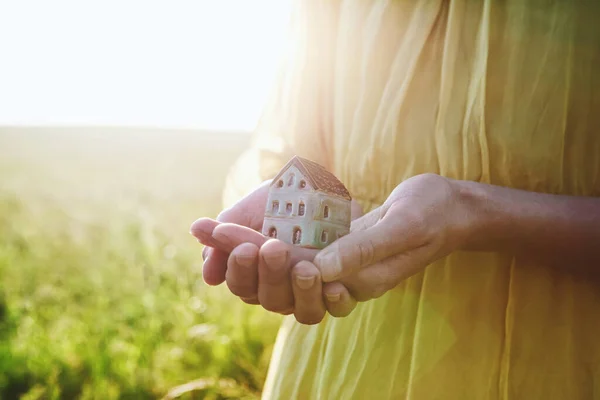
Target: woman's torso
[(503, 93)]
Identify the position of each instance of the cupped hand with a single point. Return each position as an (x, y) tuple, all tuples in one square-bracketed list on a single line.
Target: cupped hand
[(274, 274), (422, 221), (271, 273)]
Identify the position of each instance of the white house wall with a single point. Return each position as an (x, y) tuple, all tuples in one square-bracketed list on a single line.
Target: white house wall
[(298, 176), (311, 231), (312, 223), (339, 209)]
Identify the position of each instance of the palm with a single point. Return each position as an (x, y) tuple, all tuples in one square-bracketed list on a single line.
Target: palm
[(249, 211), (236, 236)]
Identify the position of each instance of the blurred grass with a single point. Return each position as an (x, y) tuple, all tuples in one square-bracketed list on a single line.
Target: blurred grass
[(101, 294)]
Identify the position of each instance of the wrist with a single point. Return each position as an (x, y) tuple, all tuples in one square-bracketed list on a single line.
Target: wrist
[(486, 220)]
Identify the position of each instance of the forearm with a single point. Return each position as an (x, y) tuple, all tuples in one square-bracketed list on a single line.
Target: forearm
[(551, 229)]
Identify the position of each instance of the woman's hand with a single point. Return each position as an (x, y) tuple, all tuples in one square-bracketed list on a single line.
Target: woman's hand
[(425, 218), (421, 221), (267, 272), (248, 212), (428, 216), (274, 274)]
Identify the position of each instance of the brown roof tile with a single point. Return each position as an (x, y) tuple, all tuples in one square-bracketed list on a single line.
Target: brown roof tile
[(319, 178)]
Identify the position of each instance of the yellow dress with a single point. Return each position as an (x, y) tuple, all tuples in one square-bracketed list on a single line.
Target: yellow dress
[(502, 92)]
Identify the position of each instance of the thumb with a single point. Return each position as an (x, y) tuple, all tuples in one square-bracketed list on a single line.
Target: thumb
[(248, 211), (358, 249), (356, 210)]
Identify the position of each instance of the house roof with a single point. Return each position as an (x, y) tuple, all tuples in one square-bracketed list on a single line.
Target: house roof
[(317, 176)]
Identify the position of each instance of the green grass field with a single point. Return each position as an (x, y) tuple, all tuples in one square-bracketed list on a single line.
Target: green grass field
[(101, 292)]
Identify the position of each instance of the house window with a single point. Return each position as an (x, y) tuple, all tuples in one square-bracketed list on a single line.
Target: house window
[(302, 184), (291, 180), (301, 208), (275, 207), (273, 232), (297, 236), (326, 212), (324, 236), (279, 183), (288, 208)]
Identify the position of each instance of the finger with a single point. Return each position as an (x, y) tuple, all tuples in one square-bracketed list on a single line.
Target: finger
[(214, 261), (356, 210), (274, 286), (242, 271), (215, 267), (309, 308), (252, 218), (360, 248), (250, 210), (229, 236), (366, 221), (338, 300), (250, 300), (377, 279), (202, 230)]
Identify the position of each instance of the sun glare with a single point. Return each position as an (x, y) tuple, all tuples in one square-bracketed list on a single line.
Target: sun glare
[(172, 63)]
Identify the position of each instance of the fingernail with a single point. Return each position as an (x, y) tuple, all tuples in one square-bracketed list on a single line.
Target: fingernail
[(329, 265), (333, 297), (276, 259), (244, 261), (204, 253), (305, 282)]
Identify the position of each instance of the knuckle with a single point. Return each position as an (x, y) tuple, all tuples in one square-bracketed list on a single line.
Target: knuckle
[(362, 296), (278, 309), (271, 307), (414, 218), (416, 225), (366, 252), (378, 291), (358, 292), (341, 312), (250, 300), (309, 319), (241, 290)]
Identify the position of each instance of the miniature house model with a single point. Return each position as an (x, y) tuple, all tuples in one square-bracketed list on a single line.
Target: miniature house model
[(307, 206)]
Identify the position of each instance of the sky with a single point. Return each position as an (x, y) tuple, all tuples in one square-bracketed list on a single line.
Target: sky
[(199, 64)]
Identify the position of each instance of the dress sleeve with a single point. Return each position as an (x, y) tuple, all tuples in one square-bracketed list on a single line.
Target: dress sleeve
[(296, 118)]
